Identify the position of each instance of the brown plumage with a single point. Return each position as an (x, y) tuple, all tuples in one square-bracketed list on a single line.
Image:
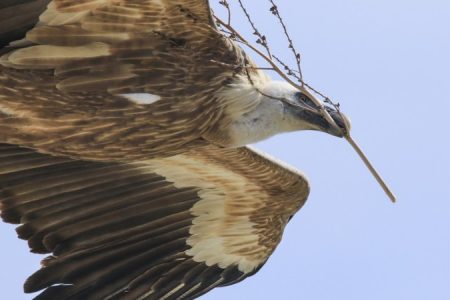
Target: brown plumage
[(120, 122), (144, 229), (69, 71)]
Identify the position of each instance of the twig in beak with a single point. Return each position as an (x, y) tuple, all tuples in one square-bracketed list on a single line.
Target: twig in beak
[(302, 87), (370, 167), (241, 39)]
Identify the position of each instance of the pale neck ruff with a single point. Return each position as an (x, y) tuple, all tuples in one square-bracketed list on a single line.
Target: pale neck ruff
[(252, 115)]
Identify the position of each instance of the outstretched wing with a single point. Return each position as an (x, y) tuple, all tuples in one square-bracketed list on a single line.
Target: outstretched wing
[(159, 229), (144, 71), (118, 45)]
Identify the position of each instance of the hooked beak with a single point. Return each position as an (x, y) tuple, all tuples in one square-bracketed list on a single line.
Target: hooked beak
[(316, 121), (341, 121), (313, 118)]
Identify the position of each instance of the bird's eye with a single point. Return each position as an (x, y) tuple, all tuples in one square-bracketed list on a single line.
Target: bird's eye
[(303, 99)]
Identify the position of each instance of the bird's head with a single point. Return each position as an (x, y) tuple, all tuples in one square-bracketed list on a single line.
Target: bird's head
[(301, 111)]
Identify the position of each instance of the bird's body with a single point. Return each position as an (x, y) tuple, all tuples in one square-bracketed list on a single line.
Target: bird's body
[(122, 130)]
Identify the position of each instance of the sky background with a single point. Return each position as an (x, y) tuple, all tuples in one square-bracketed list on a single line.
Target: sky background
[(387, 63)]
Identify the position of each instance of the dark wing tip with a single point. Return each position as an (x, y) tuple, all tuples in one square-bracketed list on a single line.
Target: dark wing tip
[(17, 17), (121, 234)]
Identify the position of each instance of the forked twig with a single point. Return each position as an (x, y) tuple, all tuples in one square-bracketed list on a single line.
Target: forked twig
[(274, 10), (269, 59), (319, 104), (292, 73), (225, 4), (262, 40)]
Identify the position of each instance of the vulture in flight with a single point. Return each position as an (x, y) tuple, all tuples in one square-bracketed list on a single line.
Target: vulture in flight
[(123, 133)]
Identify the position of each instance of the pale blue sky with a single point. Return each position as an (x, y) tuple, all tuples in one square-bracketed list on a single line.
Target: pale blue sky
[(388, 64)]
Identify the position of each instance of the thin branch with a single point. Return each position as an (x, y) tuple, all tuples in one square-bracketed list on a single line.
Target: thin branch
[(319, 104), (371, 168), (292, 73), (262, 68), (227, 6), (274, 10), (288, 69), (262, 40), (267, 59)]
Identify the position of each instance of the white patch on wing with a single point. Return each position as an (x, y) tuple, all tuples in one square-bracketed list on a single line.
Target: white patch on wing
[(7, 111), (142, 98), (222, 232)]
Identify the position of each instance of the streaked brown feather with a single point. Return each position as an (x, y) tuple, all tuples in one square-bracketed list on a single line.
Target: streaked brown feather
[(17, 17), (125, 230), (100, 49)]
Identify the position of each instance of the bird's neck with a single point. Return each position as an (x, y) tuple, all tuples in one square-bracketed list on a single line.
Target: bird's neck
[(267, 119), (251, 116)]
